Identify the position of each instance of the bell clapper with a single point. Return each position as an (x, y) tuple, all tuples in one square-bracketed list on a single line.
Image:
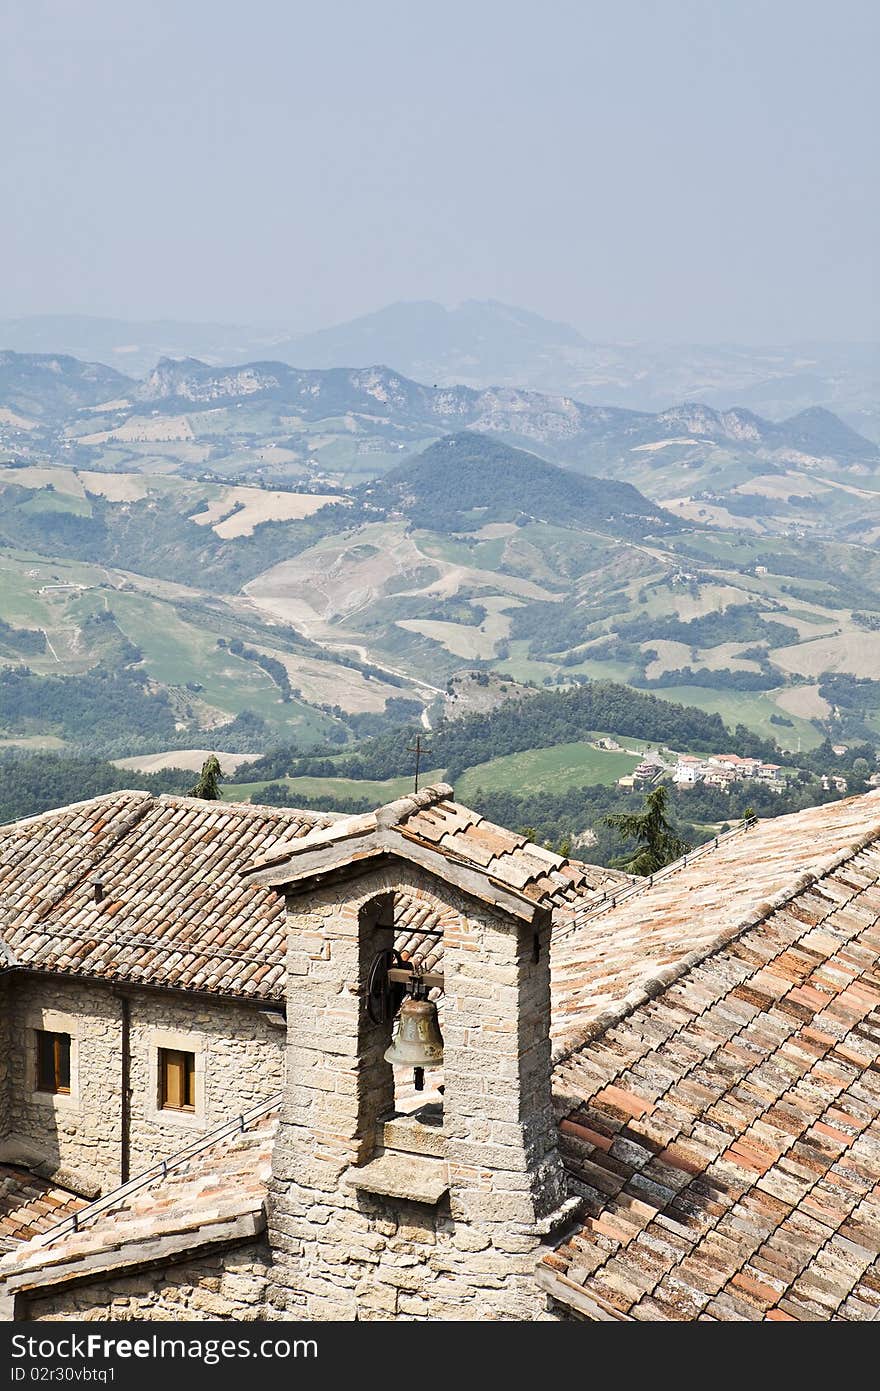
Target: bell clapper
[(419, 1078)]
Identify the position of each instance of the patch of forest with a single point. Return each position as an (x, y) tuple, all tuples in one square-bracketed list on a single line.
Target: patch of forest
[(112, 713), (22, 642), (33, 783), (465, 480)]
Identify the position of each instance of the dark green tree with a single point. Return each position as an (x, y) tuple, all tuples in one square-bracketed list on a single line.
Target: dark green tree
[(208, 785), (657, 841)]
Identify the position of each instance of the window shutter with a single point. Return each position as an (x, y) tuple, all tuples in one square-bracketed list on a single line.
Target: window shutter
[(177, 1079), (62, 1062), (174, 1079), (190, 1080), (53, 1061), (45, 1062)]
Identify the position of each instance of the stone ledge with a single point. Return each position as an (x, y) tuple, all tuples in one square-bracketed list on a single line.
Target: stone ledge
[(397, 1175), (418, 1133), (560, 1216)]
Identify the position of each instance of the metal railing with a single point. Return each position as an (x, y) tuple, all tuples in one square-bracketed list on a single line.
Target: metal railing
[(614, 897), (94, 1209)]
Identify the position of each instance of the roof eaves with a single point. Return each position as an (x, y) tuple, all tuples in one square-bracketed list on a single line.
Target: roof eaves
[(304, 864), (297, 865), (133, 1254), (576, 1298), (340, 833)]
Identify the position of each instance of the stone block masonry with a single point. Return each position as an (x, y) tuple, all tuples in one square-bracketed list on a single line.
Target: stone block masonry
[(223, 1285), (340, 1252), (239, 1061)]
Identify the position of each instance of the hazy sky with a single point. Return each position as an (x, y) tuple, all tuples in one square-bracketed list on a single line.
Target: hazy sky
[(666, 169)]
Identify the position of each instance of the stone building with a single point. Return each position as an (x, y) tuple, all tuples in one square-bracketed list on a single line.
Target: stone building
[(658, 1099)]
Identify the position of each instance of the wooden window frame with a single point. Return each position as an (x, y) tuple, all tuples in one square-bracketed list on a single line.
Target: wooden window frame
[(185, 1059), (52, 1068)]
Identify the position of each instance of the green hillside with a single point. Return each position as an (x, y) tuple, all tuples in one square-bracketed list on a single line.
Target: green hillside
[(466, 480)]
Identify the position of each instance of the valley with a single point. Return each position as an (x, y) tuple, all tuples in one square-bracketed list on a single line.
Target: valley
[(167, 553)]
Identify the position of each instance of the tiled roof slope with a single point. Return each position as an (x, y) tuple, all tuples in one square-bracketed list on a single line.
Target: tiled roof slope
[(29, 1205), (614, 952), (512, 859), (432, 821), (174, 910), (217, 1194), (726, 1133)]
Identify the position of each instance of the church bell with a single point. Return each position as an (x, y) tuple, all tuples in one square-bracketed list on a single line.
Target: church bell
[(418, 1042)]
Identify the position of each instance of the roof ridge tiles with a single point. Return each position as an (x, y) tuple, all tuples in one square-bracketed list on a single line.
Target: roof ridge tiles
[(250, 810), (657, 983), (68, 807), (393, 813)]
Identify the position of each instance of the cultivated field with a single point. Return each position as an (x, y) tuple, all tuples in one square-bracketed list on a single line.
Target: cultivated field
[(144, 430), (189, 759), (237, 511), (855, 652), (751, 708), (804, 701), (709, 514), (313, 789), (546, 770)]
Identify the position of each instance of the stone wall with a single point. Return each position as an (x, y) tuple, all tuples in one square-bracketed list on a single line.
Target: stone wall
[(341, 1252), (239, 1060), (218, 1285)]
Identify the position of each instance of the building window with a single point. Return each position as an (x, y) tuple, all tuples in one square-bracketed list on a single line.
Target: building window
[(53, 1062), (177, 1080)]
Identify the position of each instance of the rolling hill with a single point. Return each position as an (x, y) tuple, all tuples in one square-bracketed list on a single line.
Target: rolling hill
[(467, 480), (273, 423), (324, 549)]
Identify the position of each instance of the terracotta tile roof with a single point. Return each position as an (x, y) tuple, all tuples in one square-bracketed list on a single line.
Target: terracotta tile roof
[(725, 1134), (29, 1205), (430, 821), (209, 1196), (722, 1123), (174, 909), (637, 938), (511, 859)]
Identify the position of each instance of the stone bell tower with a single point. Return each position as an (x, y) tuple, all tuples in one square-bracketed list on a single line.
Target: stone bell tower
[(437, 1213)]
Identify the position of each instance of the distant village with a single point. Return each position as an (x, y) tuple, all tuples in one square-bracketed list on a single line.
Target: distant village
[(719, 770)]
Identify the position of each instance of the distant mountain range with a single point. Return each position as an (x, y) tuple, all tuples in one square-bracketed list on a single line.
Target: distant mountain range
[(482, 344), (340, 428), (52, 389)]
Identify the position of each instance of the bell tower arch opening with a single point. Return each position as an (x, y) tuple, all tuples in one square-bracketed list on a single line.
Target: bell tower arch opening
[(405, 998)]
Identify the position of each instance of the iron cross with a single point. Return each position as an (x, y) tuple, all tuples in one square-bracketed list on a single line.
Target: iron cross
[(418, 750)]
